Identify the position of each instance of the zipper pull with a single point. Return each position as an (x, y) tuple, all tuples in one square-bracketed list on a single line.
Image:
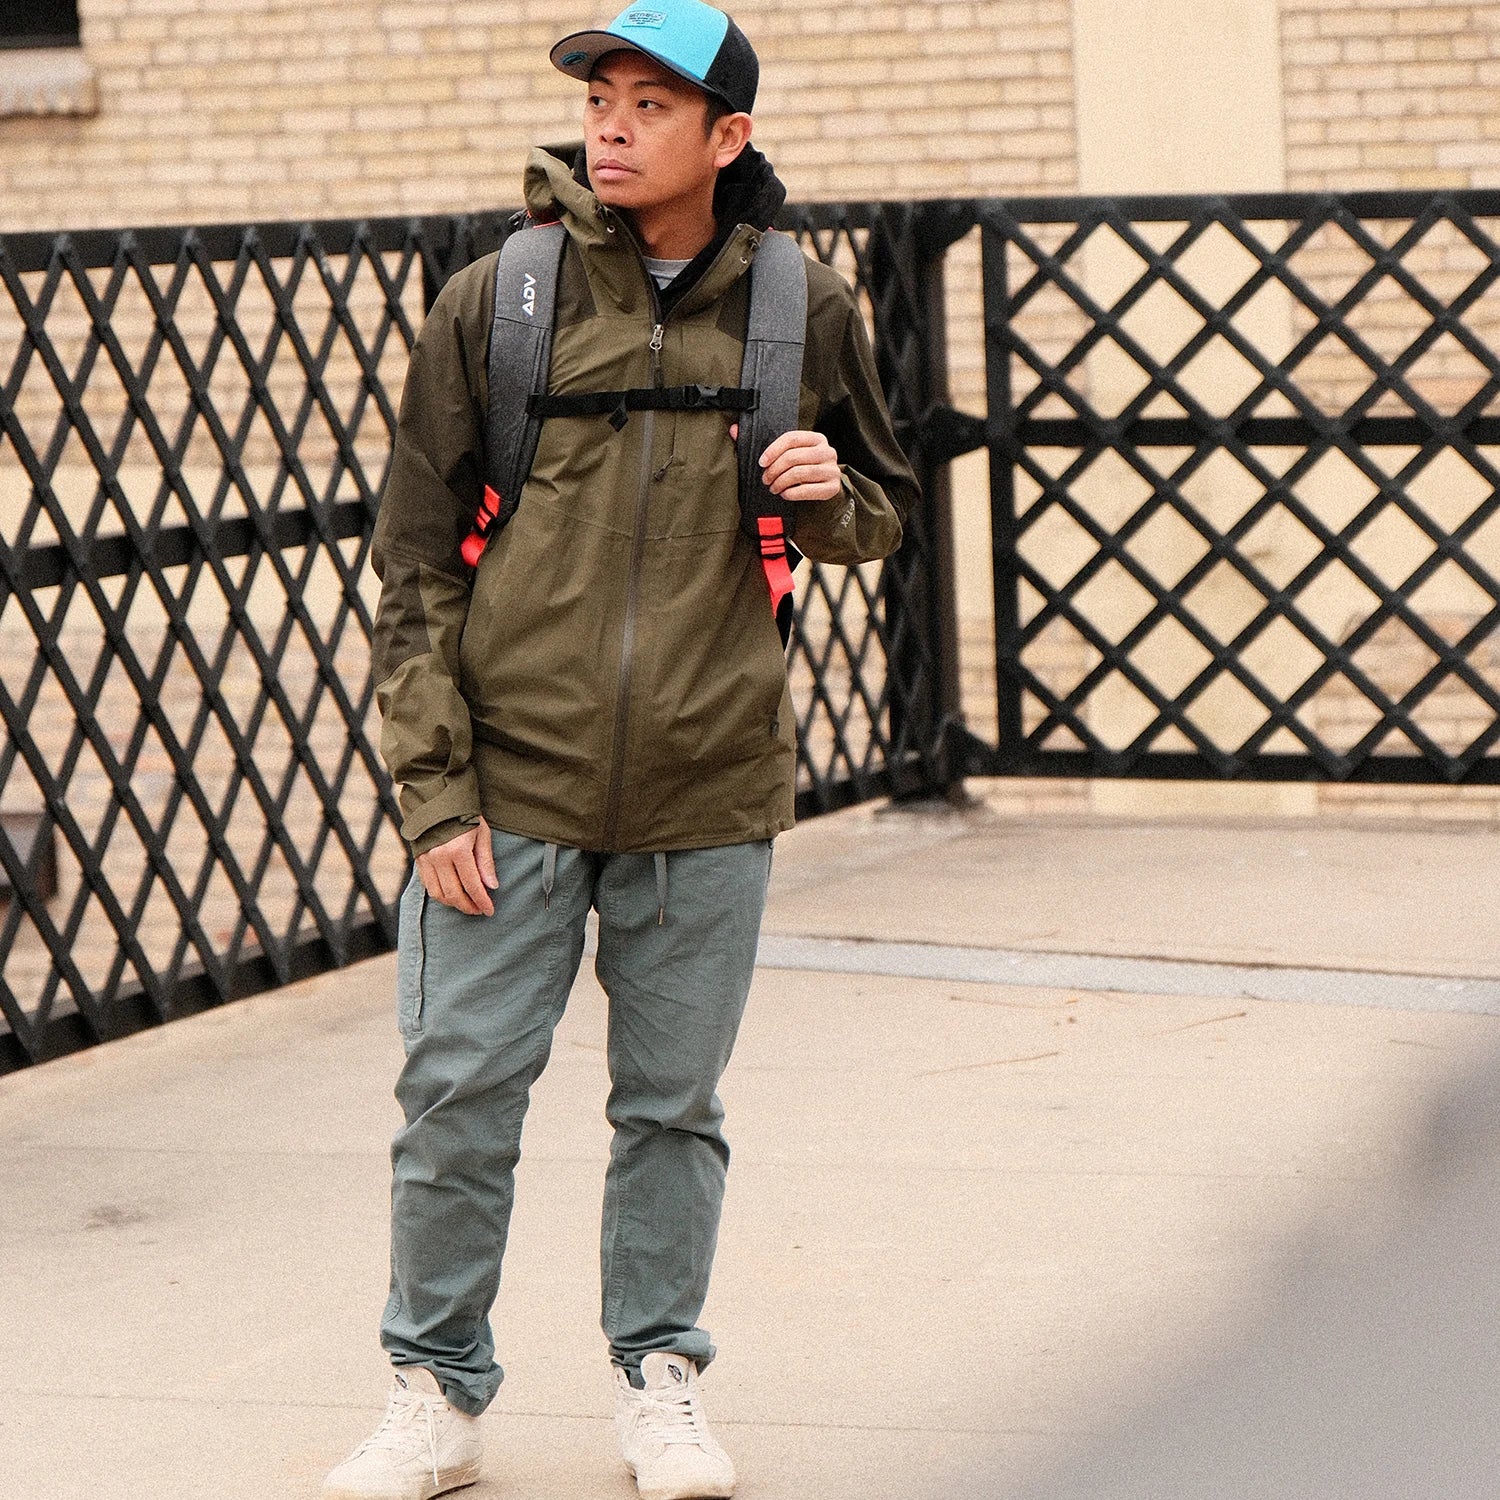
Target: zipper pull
[(657, 335)]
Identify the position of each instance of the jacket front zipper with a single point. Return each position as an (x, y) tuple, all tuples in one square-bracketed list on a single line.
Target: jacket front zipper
[(637, 557), (633, 586)]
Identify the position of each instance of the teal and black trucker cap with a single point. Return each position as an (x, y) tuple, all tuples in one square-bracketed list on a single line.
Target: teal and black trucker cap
[(694, 40)]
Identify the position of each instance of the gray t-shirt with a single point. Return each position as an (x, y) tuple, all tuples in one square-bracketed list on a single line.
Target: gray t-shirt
[(664, 272)]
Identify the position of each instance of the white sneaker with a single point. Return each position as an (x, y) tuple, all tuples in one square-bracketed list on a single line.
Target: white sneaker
[(664, 1436), (423, 1447)]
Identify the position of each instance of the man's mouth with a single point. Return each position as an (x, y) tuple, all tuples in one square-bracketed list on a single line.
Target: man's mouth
[(610, 168)]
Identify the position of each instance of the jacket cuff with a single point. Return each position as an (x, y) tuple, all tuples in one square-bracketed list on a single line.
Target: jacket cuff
[(825, 521), (457, 802), (440, 833)]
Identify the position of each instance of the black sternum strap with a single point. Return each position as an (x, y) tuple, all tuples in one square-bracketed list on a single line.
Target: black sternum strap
[(617, 405)]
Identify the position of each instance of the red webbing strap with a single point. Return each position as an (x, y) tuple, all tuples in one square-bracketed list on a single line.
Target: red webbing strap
[(472, 548), (778, 574)]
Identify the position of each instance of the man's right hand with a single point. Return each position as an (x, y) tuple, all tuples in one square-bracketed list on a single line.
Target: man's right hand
[(461, 873)]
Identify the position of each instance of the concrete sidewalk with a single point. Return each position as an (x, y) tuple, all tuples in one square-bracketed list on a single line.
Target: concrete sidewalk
[(972, 1224)]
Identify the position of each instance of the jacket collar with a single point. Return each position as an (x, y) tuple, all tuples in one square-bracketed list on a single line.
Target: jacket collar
[(746, 201)]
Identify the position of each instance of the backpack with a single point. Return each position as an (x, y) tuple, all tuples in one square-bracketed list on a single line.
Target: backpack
[(520, 357)]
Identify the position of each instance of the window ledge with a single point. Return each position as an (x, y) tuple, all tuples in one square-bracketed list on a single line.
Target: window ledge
[(46, 81)]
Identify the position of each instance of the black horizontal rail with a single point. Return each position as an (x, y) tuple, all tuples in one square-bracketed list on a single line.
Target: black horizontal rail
[(33, 251), (974, 756), (1372, 206), (1252, 432), (117, 556)]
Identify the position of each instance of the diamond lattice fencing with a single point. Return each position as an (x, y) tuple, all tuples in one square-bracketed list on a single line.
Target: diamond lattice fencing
[(194, 430), (1245, 467)]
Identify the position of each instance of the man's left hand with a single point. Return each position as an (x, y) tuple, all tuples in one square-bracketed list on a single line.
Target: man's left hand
[(802, 466)]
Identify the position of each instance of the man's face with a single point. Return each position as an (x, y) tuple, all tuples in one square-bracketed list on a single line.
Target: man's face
[(644, 136)]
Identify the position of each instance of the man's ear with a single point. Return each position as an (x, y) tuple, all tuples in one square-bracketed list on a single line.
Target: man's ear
[(731, 136)]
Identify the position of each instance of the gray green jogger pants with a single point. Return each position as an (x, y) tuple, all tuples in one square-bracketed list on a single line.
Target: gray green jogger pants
[(478, 999)]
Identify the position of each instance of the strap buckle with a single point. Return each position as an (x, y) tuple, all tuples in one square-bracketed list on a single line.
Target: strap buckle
[(471, 549), (773, 561)]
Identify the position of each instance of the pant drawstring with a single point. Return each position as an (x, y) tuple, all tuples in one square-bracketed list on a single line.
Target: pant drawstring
[(549, 874), (661, 889)]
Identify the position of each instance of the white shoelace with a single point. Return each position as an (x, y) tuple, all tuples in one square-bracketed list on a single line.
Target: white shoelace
[(406, 1410), (672, 1416)]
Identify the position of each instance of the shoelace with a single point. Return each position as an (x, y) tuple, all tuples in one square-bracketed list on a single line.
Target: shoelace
[(404, 1412), (672, 1416)]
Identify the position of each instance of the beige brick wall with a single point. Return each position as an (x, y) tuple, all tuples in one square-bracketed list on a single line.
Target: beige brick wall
[(1391, 93), (230, 109)]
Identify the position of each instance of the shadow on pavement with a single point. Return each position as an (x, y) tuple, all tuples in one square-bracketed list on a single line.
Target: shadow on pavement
[(1374, 1370)]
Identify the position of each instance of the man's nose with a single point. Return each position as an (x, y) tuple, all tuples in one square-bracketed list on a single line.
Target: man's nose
[(612, 128)]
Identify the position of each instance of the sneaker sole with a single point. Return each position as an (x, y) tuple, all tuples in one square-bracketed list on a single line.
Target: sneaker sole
[(453, 1479), (669, 1492)]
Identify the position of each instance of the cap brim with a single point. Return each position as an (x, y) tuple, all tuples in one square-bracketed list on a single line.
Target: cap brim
[(576, 56)]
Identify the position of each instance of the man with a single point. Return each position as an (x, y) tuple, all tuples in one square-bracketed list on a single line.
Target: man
[(597, 717)]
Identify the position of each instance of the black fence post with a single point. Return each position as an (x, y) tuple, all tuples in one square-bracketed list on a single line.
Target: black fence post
[(1004, 531), (946, 435), (919, 594)]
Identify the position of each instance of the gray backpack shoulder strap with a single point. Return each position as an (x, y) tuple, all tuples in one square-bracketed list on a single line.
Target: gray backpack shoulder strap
[(772, 365), (520, 356)]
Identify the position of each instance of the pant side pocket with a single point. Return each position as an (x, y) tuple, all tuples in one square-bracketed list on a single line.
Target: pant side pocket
[(411, 959)]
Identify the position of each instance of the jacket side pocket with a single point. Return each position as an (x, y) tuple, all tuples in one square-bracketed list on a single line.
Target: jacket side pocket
[(411, 958)]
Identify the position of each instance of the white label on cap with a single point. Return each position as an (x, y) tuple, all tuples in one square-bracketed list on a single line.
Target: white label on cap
[(645, 18)]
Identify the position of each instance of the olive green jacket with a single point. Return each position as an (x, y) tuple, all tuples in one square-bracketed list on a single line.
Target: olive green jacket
[(610, 676)]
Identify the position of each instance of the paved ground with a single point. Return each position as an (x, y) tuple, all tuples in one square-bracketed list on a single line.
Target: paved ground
[(976, 1226)]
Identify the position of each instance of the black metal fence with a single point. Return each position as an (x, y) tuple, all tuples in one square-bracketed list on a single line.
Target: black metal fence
[(1245, 468), (1245, 523), (194, 430)]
